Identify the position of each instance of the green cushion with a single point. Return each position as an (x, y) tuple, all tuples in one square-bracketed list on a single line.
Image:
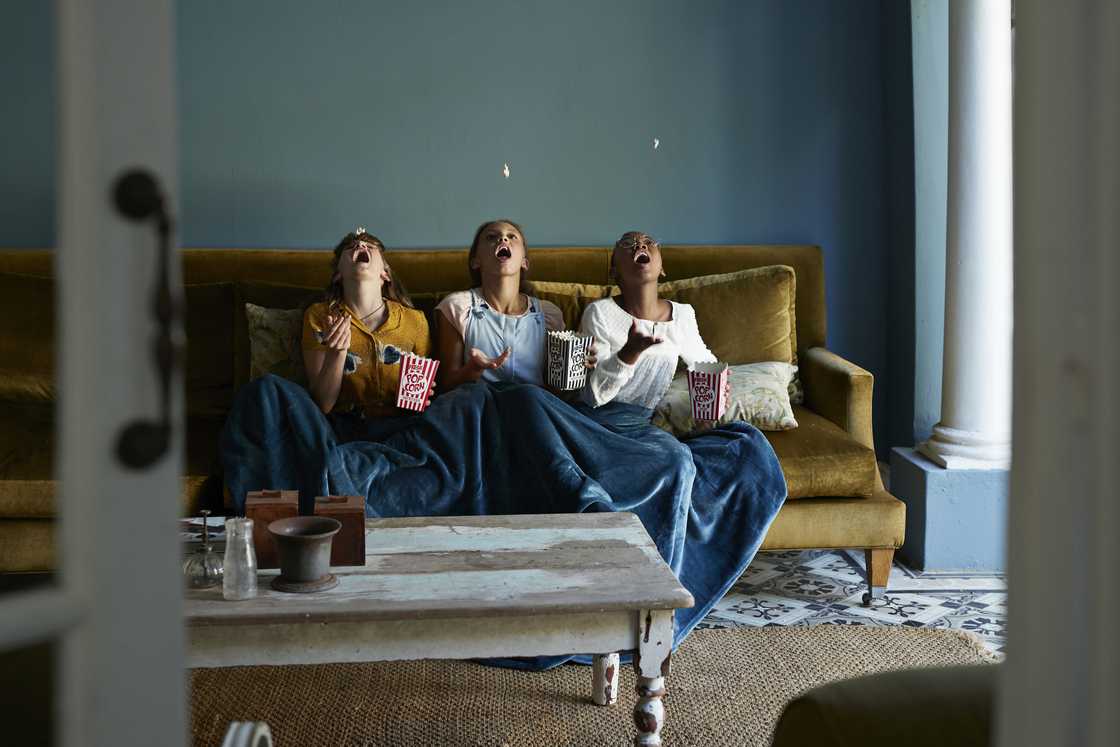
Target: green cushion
[(210, 345), (26, 338), (819, 458), (27, 342), (913, 707), (746, 316), (270, 296)]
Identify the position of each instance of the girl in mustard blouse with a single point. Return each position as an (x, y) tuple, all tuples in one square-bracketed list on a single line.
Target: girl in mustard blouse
[(354, 340), (281, 436)]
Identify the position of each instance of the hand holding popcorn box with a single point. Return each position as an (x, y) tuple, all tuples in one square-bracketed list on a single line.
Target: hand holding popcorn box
[(417, 375), (567, 358), (707, 388)]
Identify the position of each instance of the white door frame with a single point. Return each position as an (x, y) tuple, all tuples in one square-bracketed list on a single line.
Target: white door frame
[(116, 608), (1061, 681)]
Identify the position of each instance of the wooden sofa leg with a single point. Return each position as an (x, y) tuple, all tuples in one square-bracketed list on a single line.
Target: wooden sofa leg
[(879, 561)]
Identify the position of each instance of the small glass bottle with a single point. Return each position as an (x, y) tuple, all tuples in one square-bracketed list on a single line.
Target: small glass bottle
[(239, 580), (203, 567)]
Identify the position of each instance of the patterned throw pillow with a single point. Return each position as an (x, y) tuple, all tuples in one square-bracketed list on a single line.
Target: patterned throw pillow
[(274, 343), (759, 396)]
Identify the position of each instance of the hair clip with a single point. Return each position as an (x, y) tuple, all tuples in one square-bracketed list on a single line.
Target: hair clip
[(359, 230)]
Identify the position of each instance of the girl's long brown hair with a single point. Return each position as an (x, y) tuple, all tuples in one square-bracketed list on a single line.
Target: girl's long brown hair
[(392, 290), (525, 286)]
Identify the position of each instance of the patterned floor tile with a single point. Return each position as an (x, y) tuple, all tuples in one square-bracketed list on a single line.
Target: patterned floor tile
[(899, 609), (763, 609), (820, 587)]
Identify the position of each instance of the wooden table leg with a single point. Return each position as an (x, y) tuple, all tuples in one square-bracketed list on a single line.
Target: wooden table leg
[(604, 685), (651, 664)]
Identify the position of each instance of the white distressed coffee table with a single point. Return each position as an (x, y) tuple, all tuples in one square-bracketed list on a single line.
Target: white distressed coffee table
[(470, 587)]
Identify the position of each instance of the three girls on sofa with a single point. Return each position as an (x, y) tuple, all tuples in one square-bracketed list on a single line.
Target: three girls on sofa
[(496, 441), (496, 331)]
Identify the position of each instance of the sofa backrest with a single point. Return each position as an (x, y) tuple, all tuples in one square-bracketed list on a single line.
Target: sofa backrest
[(426, 271), (221, 281)]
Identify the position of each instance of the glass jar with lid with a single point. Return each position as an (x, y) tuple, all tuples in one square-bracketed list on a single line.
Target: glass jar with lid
[(202, 568)]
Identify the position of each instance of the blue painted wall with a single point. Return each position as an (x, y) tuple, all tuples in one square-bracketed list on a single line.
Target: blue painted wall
[(300, 120), (898, 108), (27, 123), (298, 124), (931, 189)]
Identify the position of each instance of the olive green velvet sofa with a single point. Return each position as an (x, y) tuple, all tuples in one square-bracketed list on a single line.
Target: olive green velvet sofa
[(830, 452)]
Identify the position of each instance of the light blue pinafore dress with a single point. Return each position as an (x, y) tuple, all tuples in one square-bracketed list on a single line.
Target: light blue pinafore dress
[(492, 332)]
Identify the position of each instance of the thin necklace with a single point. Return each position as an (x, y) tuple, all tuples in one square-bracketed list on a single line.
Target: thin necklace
[(367, 316)]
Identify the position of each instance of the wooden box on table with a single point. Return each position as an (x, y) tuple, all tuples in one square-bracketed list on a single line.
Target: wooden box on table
[(265, 507), (349, 545)]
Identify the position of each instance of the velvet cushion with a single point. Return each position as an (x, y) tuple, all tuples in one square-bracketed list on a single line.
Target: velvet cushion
[(27, 425), (210, 346), (746, 316), (572, 298), (268, 295), (819, 458), (28, 529), (912, 707), (759, 395), (274, 342), (27, 499), (426, 302), (812, 523), (27, 545), (26, 338), (27, 439), (27, 342), (433, 270)]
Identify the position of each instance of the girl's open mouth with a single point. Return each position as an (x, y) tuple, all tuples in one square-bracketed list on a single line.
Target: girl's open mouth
[(362, 255), (641, 257), (503, 253)]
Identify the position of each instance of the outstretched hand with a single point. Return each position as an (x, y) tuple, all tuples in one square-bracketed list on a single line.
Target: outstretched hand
[(637, 343), (479, 361)]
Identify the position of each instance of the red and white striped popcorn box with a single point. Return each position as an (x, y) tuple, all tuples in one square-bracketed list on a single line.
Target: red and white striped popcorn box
[(417, 374), (707, 389)]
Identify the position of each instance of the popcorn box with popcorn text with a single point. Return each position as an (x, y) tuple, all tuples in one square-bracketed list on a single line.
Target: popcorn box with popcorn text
[(567, 357), (417, 375), (707, 389)]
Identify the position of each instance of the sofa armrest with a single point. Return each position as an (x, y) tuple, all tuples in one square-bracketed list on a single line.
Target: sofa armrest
[(840, 391)]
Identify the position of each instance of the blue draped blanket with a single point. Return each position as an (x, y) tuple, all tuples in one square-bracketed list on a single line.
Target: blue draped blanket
[(706, 501)]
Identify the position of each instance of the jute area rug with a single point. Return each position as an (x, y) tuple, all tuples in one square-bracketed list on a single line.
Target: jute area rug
[(727, 687)]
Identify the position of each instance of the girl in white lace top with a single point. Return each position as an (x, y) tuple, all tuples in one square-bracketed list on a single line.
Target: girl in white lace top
[(639, 336)]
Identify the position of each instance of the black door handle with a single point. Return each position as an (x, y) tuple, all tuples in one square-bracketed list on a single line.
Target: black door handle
[(138, 197)]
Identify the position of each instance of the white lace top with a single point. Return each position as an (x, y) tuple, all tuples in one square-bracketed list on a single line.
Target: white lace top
[(645, 382)]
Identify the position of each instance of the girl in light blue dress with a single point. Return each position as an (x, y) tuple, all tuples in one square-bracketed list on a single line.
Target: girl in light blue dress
[(496, 331)]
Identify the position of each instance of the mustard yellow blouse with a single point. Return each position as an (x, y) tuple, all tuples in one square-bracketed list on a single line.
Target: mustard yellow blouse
[(372, 370)]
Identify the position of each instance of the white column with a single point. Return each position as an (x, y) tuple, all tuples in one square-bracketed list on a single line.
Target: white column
[(975, 427)]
